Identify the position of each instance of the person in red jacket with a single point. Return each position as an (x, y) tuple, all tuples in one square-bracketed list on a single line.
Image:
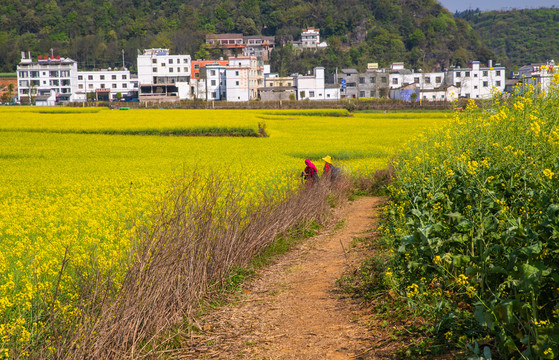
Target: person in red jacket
[(327, 165), (310, 173)]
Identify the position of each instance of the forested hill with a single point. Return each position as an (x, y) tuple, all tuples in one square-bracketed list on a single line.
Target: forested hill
[(518, 37), (420, 32)]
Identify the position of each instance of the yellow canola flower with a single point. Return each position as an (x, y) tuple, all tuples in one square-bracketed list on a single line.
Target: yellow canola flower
[(548, 174)]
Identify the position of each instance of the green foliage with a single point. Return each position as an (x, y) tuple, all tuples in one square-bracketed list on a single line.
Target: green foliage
[(94, 33), (517, 37), (473, 224)]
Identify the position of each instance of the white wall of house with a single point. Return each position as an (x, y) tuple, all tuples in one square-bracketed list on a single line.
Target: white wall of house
[(237, 83), (117, 81), (311, 87), (157, 66), (476, 82)]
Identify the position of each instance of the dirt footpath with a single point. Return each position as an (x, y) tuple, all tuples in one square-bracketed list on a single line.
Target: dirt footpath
[(293, 308)]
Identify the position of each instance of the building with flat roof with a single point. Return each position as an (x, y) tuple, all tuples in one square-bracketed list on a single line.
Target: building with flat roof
[(50, 79)]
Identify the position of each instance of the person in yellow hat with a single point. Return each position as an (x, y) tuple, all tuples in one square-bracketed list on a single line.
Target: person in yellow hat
[(327, 165)]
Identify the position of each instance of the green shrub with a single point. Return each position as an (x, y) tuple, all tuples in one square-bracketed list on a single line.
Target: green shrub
[(473, 219)]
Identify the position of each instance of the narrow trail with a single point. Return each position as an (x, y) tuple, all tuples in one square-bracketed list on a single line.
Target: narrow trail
[(293, 309)]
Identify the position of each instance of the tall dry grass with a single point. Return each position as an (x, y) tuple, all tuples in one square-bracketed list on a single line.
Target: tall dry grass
[(202, 229)]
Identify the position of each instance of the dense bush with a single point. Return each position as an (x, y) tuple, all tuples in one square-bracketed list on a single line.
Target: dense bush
[(473, 221)]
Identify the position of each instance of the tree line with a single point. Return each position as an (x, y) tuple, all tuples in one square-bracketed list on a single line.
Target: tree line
[(420, 32)]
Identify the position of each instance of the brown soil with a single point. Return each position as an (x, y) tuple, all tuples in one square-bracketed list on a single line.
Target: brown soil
[(293, 309)]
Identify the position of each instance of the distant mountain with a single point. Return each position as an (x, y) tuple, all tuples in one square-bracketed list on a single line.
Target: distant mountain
[(518, 37), (420, 32)]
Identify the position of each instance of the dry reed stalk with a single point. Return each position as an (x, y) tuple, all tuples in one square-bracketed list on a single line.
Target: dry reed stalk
[(201, 231)]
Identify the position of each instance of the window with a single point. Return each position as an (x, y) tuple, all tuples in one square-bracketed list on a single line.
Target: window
[(467, 74), (53, 73), (372, 80), (170, 61), (427, 80), (65, 73), (154, 69), (237, 83), (458, 74), (24, 83), (212, 72), (23, 74), (89, 77), (236, 73), (154, 61), (113, 77), (102, 86), (185, 60), (475, 86), (485, 84), (80, 77), (475, 75), (289, 84), (498, 72), (163, 65), (213, 83), (185, 69), (458, 84), (497, 83), (361, 94), (34, 74), (485, 73), (197, 66), (395, 81), (311, 93), (438, 79), (123, 77), (361, 80), (90, 86), (35, 83), (80, 86), (416, 80), (102, 77), (124, 85), (214, 94), (65, 82), (171, 70), (442, 96), (372, 93), (114, 86), (383, 80), (53, 83)]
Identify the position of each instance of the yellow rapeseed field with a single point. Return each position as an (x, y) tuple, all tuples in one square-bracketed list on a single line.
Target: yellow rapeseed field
[(72, 200)]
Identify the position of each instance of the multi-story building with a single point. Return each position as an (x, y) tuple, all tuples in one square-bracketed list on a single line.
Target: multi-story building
[(210, 84), (106, 84), (243, 77), (237, 44), (163, 76), (370, 84), (538, 75), (313, 87), (310, 39), (46, 81), (476, 82)]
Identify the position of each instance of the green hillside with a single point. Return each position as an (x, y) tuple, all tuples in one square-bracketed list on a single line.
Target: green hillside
[(518, 37), (94, 33)]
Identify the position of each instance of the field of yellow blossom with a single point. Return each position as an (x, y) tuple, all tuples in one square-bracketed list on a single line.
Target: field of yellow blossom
[(473, 223), (73, 188)]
